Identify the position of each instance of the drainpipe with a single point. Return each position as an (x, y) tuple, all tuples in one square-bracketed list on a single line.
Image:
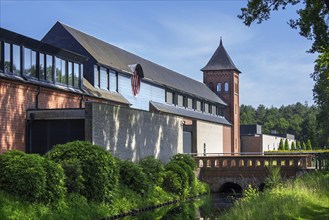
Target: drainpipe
[(37, 98), (81, 100)]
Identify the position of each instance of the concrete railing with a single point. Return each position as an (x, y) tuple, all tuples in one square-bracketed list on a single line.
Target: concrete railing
[(254, 161)]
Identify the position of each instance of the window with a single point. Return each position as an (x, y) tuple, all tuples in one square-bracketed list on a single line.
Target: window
[(76, 79), (189, 103), (96, 75), (113, 81), (70, 75), (219, 87), (206, 107), (16, 59), (7, 58), (180, 101), (30, 62), (42, 71), (226, 86), (214, 109), (169, 97), (198, 106), (104, 78), (61, 74), (49, 68)]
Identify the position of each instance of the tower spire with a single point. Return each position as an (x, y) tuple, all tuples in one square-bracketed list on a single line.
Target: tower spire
[(220, 42)]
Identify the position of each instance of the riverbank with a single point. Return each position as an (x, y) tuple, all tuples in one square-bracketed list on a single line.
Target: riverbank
[(306, 197)]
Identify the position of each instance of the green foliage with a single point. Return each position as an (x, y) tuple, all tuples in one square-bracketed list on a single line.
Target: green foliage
[(249, 193), (132, 176), (281, 147), (303, 146), (286, 145), (31, 177), (299, 147), (308, 145), (99, 170), (73, 175), (293, 146), (153, 168), (273, 178), (172, 182), (188, 159)]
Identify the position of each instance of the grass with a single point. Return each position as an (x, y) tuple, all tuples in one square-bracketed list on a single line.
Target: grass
[(306, 197)]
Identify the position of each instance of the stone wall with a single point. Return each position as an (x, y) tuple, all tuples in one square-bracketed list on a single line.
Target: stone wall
[(133, 134)]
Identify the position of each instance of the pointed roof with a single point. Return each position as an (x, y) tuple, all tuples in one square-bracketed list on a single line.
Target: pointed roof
[(220, 60)]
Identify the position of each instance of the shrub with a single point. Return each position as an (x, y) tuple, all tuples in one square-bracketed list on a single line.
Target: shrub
[(286, 145), (132, 176), (73, 175), (293, 146), (308, 145), (172, 182), (281, 147), (188, 159), (99, 170), (31, 177), (153, 168), (189, 172)]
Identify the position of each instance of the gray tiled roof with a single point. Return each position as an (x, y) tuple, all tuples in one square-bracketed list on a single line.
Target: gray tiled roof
[(188, 113), (220, 60), (119, 59)]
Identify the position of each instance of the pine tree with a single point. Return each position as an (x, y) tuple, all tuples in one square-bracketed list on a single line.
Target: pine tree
[(281, 145), (293, 146), (303, 146), (286, 145), (299, 147), (308, 145)]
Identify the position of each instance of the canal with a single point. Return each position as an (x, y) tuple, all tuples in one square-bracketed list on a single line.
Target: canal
[(205, 207)]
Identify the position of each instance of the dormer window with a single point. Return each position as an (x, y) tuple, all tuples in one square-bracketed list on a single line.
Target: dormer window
[(180, 100)]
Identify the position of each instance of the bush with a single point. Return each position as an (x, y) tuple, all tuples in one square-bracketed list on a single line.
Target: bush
[(293, 146), (73, 176), (31, 177), (188, 159), (172, 182), (281, 147), (132, 176), (172, 179), (153, 168), (189, 172), (286, 145), (99, 169)]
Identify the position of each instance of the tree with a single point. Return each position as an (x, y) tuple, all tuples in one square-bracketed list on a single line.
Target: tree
[(308, 145), (303, 146), (247, 115), (286, 145), (312, 24), (299, 147), (281, 147), (293, 146)]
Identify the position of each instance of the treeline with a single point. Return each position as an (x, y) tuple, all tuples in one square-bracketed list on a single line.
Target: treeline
[(296, 119)]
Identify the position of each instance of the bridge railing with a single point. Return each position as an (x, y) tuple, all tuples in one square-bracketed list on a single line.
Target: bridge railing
[(253, 161)]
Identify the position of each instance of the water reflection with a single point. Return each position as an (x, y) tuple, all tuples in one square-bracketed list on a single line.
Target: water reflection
[(206, 207)]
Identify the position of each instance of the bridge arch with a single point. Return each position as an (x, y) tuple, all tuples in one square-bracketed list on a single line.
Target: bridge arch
[(230, 187)]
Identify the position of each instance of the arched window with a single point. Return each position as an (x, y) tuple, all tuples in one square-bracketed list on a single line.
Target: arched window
[(226, 86), (219, 87)]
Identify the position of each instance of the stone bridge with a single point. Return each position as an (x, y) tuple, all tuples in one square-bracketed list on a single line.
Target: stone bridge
[(229, 174)]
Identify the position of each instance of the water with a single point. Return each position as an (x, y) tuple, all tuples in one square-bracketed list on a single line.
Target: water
[(206, 207)]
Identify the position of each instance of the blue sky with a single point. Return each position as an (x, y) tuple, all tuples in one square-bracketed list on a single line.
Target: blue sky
[(182, 36)]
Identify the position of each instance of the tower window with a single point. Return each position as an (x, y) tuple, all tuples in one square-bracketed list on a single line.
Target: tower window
[(226, 86), (219, 87)]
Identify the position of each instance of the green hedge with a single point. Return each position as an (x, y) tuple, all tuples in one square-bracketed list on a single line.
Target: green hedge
[(31, 177), (99, 176), (154, 169)]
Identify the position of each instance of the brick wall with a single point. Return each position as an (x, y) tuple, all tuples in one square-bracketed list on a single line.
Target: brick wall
[(15, 99)]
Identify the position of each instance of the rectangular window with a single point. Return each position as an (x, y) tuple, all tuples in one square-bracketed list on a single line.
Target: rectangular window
[(96, 76), (180, 100), (30, 62), (64, 72), (189, 103), (7, 58), (214, 109), (104, 78), (206, 107), (169, 97), (76, 79), (70, 73), (113, 81), (58, 70), (49, 68), (198, 106), (42, 66), (16, 59)]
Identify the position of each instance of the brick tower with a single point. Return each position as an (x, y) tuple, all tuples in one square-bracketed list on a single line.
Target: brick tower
[(222, 77)]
